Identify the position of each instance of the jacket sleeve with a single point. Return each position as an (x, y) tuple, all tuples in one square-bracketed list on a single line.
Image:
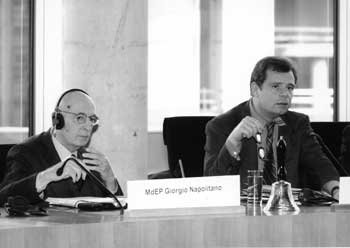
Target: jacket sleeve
[(217, 159), (20, 177)]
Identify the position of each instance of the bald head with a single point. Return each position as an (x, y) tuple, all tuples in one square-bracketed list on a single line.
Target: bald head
[(76, 100)]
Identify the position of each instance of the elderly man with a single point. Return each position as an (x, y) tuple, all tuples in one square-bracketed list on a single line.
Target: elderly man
[(233, 146), (35, 168)]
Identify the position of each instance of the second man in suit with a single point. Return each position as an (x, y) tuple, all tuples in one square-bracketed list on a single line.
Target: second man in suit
[(245, 137)]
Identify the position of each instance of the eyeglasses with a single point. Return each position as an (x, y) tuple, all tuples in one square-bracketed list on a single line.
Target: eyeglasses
[(261, 150), (81, 118)]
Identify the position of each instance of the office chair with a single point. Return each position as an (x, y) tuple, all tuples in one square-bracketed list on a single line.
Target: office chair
[(184, 137), (4, 148)]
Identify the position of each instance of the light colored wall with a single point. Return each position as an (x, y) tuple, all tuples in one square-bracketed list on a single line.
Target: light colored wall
[(105, 53), (157, 153)]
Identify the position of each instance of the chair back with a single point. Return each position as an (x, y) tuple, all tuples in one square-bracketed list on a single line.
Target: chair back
[(184, 137), (331, 133), (4, 148)]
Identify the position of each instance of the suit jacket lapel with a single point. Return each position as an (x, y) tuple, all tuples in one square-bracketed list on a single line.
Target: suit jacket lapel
[(51, 156)]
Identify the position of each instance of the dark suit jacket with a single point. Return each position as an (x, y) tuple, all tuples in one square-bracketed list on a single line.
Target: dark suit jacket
[(26, 160), (304, 157)]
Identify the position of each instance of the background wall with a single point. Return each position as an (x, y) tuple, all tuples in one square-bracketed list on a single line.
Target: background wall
[(157, 153), (105, 52), (101, 47)]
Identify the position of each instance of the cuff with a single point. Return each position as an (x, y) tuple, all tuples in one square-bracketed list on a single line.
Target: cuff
[(331, 186), (40, 184)]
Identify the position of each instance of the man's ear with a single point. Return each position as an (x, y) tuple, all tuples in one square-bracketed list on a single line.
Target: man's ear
[(254, 89)]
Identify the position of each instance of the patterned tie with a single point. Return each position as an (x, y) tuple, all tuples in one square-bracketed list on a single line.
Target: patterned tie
[(269, 165)]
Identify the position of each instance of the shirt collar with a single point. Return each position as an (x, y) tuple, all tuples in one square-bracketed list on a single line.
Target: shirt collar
[(62, 151)]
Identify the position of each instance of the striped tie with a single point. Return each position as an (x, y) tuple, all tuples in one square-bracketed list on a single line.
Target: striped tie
[(269, 165)]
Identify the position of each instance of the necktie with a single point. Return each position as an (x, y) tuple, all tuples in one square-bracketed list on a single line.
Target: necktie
[(269, 165)]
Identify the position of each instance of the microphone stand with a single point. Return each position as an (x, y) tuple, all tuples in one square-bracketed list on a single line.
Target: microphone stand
[(94, 179)]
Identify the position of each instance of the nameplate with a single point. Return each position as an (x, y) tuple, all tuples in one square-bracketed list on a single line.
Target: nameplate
[(344, 190), (184, 192)]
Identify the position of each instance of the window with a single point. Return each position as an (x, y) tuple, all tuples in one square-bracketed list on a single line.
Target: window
[(15, 70), (173, 50), (300, 29), (201, 54), (304, 31)]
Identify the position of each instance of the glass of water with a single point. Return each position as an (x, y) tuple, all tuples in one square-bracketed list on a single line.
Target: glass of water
[(254, 190)]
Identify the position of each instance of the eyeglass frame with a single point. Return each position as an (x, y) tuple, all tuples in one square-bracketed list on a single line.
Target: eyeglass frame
[(94, 121), (258, 140)]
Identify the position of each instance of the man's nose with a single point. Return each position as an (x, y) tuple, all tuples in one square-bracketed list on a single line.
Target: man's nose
[(88, 125)]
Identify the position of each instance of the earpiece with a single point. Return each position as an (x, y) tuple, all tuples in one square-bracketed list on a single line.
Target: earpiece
[(57, 120), (57, 117)]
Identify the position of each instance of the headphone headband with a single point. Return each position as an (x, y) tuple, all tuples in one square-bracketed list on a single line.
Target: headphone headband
[(67, 92)]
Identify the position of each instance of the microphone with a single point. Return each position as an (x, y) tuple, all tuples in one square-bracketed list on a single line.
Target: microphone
[(329, 153), (281, 159), (94, 179)]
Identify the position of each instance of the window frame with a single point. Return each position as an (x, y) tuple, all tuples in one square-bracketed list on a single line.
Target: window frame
[(31, 68)]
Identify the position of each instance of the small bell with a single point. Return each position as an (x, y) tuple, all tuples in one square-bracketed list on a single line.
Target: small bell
[(281, 197)]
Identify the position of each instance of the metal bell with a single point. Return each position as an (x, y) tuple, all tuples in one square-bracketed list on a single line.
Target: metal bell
[(281, 198)]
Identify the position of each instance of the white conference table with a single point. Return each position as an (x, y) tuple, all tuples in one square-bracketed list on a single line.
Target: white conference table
[(217, 227)]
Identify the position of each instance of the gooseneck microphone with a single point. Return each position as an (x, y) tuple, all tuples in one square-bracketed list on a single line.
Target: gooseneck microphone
[(329, 154), (94, 179)]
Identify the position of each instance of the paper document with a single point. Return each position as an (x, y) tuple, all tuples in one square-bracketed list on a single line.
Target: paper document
[(75, 201)]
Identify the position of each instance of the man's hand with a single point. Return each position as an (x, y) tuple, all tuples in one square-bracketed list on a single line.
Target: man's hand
[(96, 161), (248, 127), (70, 170)]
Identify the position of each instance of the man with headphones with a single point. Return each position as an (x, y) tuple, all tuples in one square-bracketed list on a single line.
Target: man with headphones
[(36, 168)]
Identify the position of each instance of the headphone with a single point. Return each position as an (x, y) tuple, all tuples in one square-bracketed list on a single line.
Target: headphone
[(57, 117)]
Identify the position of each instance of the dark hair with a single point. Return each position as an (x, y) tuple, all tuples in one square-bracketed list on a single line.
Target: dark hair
[(274, 63)]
